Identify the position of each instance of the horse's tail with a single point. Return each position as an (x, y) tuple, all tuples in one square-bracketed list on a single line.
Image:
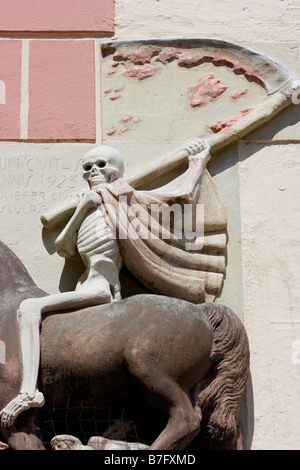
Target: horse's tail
[(221, 392)]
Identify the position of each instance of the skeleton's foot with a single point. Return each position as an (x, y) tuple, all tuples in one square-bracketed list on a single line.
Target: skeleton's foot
[(20, 403)]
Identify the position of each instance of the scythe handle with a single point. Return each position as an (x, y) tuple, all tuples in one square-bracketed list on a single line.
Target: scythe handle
[(272, 105)]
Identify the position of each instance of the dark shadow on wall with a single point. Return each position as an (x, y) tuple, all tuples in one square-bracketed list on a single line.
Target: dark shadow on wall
[(278, 127)]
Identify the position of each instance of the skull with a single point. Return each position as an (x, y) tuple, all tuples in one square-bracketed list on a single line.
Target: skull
[(102, 165)]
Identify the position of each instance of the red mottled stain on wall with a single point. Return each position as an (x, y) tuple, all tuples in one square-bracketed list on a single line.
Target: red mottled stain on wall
[(140, 72), (62, 90), (184, 57), (126, 119), (146, 61), (191, 58), (111, 72), (10, 80), (136, 55), (238, 93), (226, 124), (114, 93), (57, 15), (238, 67), (126, 124), (208, 88), (168, 55), (114, 97), (138, 61)]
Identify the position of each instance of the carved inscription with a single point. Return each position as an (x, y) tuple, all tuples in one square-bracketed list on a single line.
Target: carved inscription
[(28, 183)]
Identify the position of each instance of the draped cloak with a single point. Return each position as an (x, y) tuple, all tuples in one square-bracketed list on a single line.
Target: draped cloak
[(156, 254)]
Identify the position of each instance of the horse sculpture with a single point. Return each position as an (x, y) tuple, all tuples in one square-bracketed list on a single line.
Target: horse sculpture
[(188, 362)]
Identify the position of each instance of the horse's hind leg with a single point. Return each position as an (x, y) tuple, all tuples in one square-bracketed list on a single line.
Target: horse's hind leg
[(182, 426), (168, 397)]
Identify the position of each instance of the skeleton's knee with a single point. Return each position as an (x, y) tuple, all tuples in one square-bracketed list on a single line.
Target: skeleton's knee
[(29, 312)]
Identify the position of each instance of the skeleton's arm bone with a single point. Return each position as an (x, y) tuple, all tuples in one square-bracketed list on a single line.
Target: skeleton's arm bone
[(66, 242), (187, 185)]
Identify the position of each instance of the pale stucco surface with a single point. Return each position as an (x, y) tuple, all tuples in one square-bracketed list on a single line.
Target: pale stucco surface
[(270, 225), (241, 21)]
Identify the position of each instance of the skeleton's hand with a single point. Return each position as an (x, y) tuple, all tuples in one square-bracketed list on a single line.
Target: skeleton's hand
[(90, 199), (199, 149)]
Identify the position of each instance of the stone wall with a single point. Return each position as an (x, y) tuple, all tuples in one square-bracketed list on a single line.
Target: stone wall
[(51, 114)]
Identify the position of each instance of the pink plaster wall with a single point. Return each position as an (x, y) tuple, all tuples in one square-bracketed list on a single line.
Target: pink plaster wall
[(61, 90), (57, 15), (10, 76), (49, 89)]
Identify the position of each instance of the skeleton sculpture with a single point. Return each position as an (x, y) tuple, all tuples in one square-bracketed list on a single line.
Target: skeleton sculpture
[(89, 234)]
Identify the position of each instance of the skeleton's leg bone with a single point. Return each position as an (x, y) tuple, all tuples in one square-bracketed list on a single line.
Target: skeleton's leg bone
[(84, 297), (29, 317), (103, 269)]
